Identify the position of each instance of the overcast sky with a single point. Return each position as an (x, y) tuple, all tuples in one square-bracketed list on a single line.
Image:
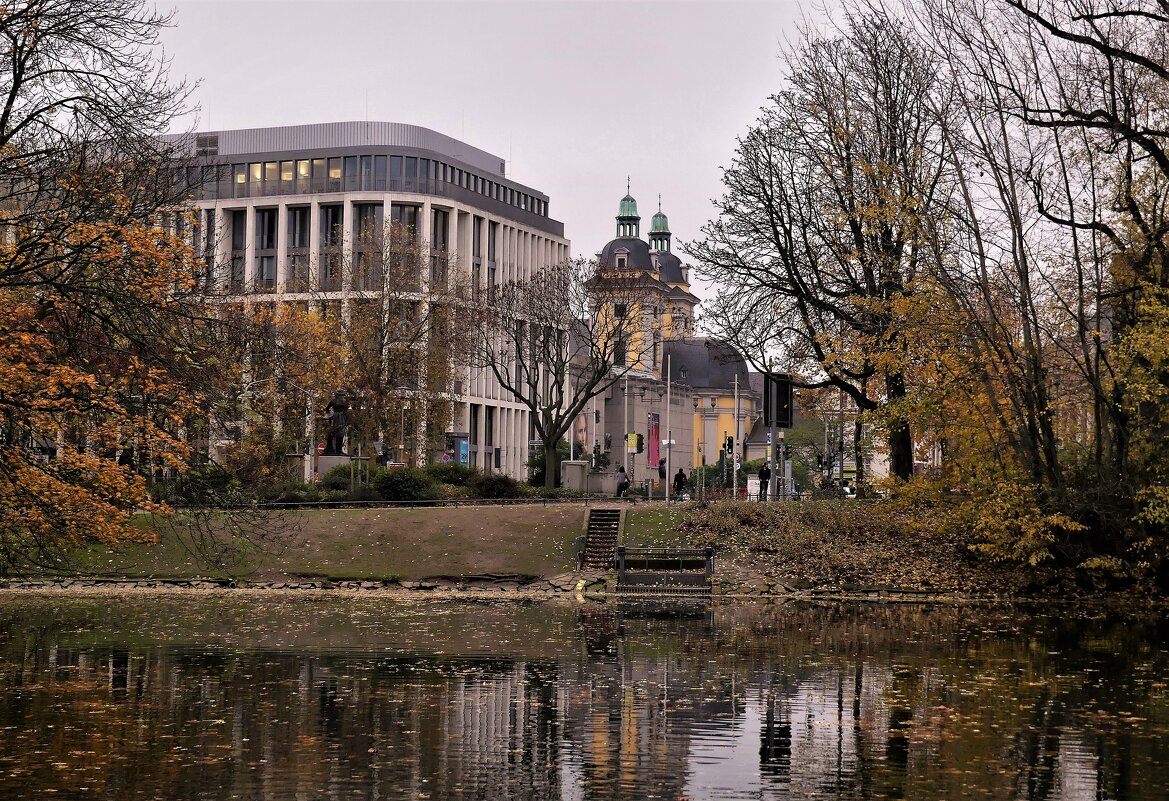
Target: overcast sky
[(574, 95)]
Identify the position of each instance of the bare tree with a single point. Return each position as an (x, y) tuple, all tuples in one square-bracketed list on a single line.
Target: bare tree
[(381, 322), (559, 339), (829, 212)]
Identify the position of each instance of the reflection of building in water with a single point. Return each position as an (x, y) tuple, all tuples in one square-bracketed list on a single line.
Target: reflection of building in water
[(630, 730), (768, 705)]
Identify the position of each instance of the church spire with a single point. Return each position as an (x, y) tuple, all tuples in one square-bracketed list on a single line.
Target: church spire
[(628, 221), (659, 230)]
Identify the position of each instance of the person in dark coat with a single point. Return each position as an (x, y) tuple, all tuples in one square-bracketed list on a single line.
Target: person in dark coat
[(764, 481), (622, 482), (679, 482)]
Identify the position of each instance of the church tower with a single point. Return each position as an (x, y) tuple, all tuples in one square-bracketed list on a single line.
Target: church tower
[(659, 231), (628, 221)]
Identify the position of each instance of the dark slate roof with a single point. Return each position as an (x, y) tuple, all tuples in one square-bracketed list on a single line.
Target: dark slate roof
[(707, 364), (641, 257)]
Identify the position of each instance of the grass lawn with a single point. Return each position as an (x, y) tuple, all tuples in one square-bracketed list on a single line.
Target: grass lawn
[(363, 544), (654, 526)]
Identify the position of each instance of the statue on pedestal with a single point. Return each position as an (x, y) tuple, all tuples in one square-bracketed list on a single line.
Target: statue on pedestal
[(337, 415)]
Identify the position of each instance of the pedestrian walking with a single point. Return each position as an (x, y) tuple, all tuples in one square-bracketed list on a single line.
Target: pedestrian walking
[(622, 482), (764, 481), (679, 483)]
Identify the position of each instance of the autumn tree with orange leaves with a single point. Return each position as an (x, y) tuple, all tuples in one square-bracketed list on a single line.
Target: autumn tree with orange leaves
[(103, 339)]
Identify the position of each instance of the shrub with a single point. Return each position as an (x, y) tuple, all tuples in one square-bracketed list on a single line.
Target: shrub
[(406, 484), (336, 478), (459, 475), (291, 492), (495, 485), (559, 492)]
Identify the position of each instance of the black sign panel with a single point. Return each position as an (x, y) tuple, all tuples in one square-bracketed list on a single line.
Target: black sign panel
[(777, 400)]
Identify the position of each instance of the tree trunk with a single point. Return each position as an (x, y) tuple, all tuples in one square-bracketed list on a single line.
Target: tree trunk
[(900, 441), (550, 466), (859, 457)]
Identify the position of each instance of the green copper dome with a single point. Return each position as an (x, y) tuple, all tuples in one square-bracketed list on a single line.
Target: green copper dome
[(628, 207), (659, 224)]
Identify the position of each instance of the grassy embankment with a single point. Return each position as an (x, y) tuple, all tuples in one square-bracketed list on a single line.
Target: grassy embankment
[(825, 544), (373, 544)]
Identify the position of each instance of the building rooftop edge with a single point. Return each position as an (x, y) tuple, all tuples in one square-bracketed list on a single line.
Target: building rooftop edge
[(353, 133)]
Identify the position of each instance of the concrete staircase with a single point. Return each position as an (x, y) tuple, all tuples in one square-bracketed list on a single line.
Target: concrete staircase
[(601, 539)]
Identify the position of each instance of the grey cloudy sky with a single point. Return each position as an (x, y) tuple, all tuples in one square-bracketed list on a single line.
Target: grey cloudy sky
[(575, 95)]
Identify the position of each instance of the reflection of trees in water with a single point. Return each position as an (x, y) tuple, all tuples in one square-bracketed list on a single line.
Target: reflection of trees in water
[(850, 703)]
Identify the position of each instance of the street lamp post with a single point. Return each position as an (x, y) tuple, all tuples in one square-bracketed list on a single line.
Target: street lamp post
[(669, 433), (701, 455), (402, 423)]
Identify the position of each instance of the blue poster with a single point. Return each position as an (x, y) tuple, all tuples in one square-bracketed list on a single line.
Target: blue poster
[(463, 450)]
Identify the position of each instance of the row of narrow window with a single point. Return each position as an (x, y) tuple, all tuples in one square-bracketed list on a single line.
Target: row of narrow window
[(369, 223), (352, 174)]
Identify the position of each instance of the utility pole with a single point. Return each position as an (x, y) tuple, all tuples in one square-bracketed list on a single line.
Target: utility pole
[(782, 465), (625, 436), (735, 444), (669, 432)]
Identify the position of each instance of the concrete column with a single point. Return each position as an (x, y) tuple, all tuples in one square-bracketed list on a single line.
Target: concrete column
[(282, 247), (250, 250), (314, 245), (347, 238), (222, 246)]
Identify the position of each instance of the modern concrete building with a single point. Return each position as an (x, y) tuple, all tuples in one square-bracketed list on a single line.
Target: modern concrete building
[(280, 208)]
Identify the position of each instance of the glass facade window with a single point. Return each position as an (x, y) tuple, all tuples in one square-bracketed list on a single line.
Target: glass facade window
[(368, 246), (298, 222), (334, 169), (239, 228), (332, 218), (379, 173), (439, 221), (271, 172), (396, 173), (298, 248), (265, 228), (286, 171), (367, 220), (265, 249), (367, 172), (403, 214), (351, 176), (209, 236)]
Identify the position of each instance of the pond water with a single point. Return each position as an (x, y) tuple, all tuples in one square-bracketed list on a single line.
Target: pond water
[(239, 696)]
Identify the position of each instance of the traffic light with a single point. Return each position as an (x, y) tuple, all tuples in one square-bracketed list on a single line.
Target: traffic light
[(777, 400), (640, 443), (730, 444)]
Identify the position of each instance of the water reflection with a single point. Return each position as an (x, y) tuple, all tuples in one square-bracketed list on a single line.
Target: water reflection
[(222, 697)]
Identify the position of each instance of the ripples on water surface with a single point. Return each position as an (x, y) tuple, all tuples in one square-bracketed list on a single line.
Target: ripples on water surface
[(244, 697)]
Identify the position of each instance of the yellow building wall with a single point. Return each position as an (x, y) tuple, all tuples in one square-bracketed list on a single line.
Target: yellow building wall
[(724, 425)]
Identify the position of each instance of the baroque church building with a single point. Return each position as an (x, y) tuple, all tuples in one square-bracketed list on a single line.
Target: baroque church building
[(702, 373)]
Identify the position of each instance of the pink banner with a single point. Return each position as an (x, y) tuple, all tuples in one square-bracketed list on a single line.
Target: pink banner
[(654, 435)]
